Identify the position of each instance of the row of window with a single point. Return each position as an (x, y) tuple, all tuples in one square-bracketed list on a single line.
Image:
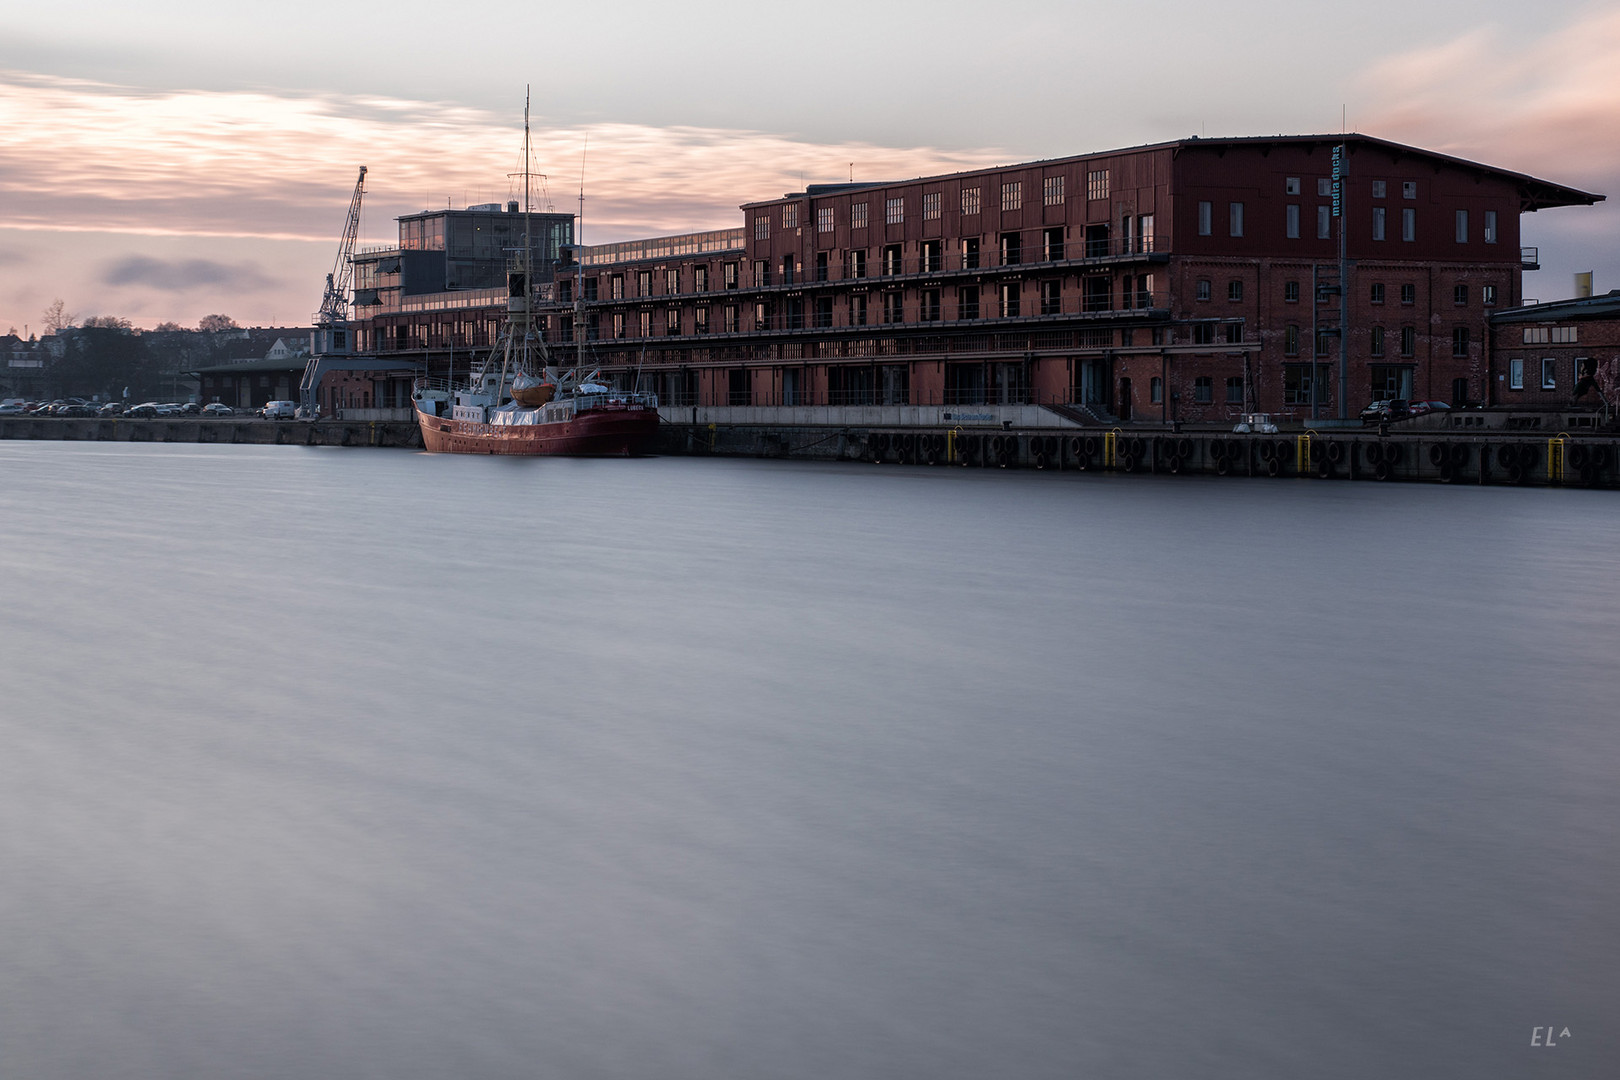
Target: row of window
[(1324, 187), (1584, 367), (1324, 222), (1203, 290), (894, 209)]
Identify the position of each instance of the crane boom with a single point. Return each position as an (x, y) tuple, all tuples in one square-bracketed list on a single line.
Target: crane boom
[(331, 338)]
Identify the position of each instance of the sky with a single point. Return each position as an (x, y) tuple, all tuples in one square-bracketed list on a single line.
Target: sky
[(170, 160)]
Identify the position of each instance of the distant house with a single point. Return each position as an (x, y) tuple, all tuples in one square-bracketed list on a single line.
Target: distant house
[(249, 381), (1557, 356)]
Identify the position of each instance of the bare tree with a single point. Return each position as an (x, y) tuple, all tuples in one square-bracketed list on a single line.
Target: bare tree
[(109, 322), (164, 327), (58, 317), (212, 323)]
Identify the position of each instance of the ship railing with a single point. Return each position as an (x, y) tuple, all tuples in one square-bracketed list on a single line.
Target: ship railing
[(616, 399)]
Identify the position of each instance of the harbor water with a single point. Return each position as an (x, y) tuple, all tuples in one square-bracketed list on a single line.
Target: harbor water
[(321, 762)]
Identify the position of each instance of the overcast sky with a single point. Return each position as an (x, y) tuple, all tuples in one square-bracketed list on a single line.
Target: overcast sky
[(171, 160)]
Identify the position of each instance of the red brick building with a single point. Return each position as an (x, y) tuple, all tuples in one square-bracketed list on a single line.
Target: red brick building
[(1186, 280), (1557, 357)]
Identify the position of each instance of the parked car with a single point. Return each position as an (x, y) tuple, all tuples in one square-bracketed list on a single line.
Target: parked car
[(279, 410), (144, 411), (1420, 407), (111, 408), (191, 408), (1388, 409), (12, 409), (218, 408), (74, 410), (169, 408)]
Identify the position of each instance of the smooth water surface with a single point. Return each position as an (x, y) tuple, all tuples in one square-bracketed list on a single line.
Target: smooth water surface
[(371, 764)]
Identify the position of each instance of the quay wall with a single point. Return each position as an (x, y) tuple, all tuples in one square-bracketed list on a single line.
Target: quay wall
[(194, 429)]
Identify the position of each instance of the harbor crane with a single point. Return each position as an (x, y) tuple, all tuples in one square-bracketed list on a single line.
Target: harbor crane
[(330, 342)]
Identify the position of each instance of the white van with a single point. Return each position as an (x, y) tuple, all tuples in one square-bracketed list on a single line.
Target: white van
[(279, 410)]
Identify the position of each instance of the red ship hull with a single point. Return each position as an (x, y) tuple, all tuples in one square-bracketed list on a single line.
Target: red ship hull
[(626, 431)]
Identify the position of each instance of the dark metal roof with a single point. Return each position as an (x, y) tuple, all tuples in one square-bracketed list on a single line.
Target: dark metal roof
[(1606, 306)]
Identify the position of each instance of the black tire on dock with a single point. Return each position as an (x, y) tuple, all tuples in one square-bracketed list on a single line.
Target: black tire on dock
[(1507, 456), (1274, 467), (1217, 449), (1285, 451), (1579, 455), (1516, 473), (1395, 452), (1334, 452), (1382, 470), (1459, 455), (1437, 453), (1267, 451)]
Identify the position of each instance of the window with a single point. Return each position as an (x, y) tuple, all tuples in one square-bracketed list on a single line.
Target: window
[(967, 302), (1515, 374), (1324, 222), (1408, 341), (1234, 218), (1408, 189), (1201, 290), (1409, 293), (645, 324), (930, 305), (1408, 224), (1144, 290), (1144, 233), (590, 289), (893, 311), (1052, 191), (1012, 248), (1203, 333), (970, 253), (1234, 289), (933, 257), (1462, 226), (733, 319), (790, 215), (894, 211), (1099, 294), (1302, 382), (728, 275), (1377, 292), (701, 319), (1459, 341), (1292, 212), (1234, 333), (857, 310), (857, 262), (857, 215), (644, 283), (1490, 226), (1291, 340), (789, 269), (762, 227), (1051, 297), (824, 219), (1053, 243), (1377, 346), (616, 287), (1009, 299), (1549, 373), (1234, 389), (1378, 223), (1156, 390), (1324, 186), (822, 268), (762, 273), (1536, 335), (1203, 389), (1205, 216), (793, 309), (1378, 189), (618, 324), (1291, 186), (672, 321), (1324, 341), (970, 200), (1563, 335), (823, 311), (1290, 292), (930, 206), (1487, 294), (762, 315), (1012, 195), (891, 260), (1097, 184), (1459, 295), (672, 282)]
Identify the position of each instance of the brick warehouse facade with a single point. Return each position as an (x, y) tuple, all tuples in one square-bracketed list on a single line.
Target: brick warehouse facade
[(1180, 281)]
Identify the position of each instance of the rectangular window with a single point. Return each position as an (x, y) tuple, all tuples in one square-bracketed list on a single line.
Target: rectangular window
[(1459, 295), (644, 283), (1053, 242), (1234, 333), (1201, 291), (1515, 374), (1408, 341), (1203, 333), (1549, 373), (822, 265), (1144, 233), (1012, 248), (970, 253), (1462, 226), (1377, 347), (790, 267), (591, 289), (733, 323), (1234, 389), (1099, 294), (930, 206), (1408, 293), (1234, 218), (892, 264), (1012, 195), (967, 302), (824, 308), (672, 282), (672, 321), (728, 273), (970, 200), (1487, 293), (793, 309), (1302, 381), (930, 305), (1324, 342), (1205, 218), (933, 257), (857, 310), (1536, 335), (857, 215), (1408, 224), (857, 262), (1378, 223), (1234, 290), (645, 327), (762, 227), (616, 287), (894, 211), (1156, 390), (1051, 298), (1324, 222), (1144, 290), (1408, 189), (1292, 219), (1010, 300), (618, 324), (1377, 295), (700, 317), (762, 315), (762, 273), (1052, 190), (1564, 335), (1097, 184), (1291, 186), (1490, 226), (1290, 292), (824, 219), (790, 215), (1324, 186), (1378, 189)]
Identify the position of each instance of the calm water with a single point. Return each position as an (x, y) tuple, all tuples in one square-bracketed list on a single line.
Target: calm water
[(369, 764)]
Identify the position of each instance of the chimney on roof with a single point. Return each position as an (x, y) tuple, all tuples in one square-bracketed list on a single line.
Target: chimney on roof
[(511, 207)]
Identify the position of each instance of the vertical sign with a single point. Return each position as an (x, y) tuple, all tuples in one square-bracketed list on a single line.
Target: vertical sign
[(1337, 182)]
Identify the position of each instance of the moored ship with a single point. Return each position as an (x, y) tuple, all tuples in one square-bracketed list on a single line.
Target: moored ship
[(520, 400)]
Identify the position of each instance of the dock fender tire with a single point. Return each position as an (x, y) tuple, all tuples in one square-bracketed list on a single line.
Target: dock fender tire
[(1138, 446), (1447, 473), (1516, 473), (1395, 452), (1437, 453), (1528, 457), (1268, 451), (1076, 446), (1507, 456), (1382, 470), (1217, 449), (1334, 452), (1285, 451), (1602, 456), (1374, 453), (1173, 466), (933, 456), (1324, 468), (1090, 446), (1589, 474), (1273, 467), (1222, 466), (1579, 456), (1128, 463)]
